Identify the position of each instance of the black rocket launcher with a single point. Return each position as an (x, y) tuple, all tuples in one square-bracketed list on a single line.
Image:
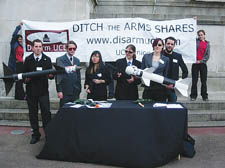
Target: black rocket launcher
[(9, 78)]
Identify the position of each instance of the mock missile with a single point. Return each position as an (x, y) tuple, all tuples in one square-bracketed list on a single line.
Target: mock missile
[(147, 75), (9, 78)]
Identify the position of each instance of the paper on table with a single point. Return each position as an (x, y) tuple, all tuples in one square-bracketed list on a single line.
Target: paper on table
[(159, 105), (101, 105), (174, 106), (77, 106)]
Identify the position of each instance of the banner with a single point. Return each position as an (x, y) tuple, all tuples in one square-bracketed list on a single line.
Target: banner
[(110, 36)]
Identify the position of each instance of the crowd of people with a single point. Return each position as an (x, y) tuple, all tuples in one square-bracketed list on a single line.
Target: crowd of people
[(164, 60)]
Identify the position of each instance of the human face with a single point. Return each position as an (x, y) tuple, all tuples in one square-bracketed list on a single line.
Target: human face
[(169, 45), (201, 36), (37, 48), (71, 49), (158, 47), (129, 53), (95, 58), (20, 40)]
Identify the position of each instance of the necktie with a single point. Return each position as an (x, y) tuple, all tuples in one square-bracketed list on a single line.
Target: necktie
[(129, 63), (37, 59), (71, 60)]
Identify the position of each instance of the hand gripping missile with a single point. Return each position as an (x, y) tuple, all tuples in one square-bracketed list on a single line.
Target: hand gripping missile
[(147, 75), (9, 78)]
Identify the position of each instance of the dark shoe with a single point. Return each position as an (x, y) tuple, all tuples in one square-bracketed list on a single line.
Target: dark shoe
[(193, 99), (205, 99), (110, 97), (34, 140)]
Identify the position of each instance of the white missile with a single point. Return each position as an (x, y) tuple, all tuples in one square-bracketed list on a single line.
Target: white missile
[(147, 75)]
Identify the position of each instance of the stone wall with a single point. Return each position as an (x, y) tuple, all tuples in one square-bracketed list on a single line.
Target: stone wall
[(13, 11)]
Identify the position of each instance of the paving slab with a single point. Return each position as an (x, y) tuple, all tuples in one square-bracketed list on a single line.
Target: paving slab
[(16, 152)]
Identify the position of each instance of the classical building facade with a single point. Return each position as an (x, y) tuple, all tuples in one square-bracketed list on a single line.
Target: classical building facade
[(210, 14)]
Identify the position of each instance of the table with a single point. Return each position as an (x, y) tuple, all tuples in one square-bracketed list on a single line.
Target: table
[(125, 135)]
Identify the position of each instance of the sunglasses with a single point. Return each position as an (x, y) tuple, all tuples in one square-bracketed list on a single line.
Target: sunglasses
[(130, 52), (70, 49), (159, 45)]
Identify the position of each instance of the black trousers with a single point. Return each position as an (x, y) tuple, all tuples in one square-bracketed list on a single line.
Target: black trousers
[(19, 90), (196, 69), (155, 92), (33, 102)]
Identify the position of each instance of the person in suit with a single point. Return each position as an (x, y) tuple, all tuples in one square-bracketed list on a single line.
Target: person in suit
[(176, 61), (127, 85), (68, 85), (37, 88), (160, 63), (97, 77)]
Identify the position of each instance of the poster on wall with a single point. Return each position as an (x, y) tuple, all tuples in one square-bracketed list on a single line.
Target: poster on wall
[(110, 36)]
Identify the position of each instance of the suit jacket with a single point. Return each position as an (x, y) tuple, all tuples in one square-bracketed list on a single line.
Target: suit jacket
[(176, 61), (98, 91), (162, 68), (125, 90), (68, 83), (37, 86)]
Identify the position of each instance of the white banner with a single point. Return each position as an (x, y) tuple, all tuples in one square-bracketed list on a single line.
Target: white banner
[(110, 36)]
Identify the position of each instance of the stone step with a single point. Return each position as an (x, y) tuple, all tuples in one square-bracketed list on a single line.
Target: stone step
[(19, 123), (206, 115), (195, 117), (199, 104), (18, 114), (206, 124)]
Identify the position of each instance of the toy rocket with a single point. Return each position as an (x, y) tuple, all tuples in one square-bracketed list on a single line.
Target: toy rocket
[(147, 75)]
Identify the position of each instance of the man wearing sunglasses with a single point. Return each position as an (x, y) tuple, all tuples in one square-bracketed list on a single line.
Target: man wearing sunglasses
[(176, 61), (68, 85)]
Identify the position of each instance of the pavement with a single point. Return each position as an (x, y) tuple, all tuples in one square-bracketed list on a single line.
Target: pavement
[(16, 152)]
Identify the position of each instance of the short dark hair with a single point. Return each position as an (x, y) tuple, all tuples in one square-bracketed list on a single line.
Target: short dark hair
[(71, 42), (132, 47), (171, 38), (37, 41), (203, 31), (18, 36), (155, 42)]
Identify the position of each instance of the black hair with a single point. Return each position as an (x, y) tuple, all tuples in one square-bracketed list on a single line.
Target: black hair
[(91, 67)]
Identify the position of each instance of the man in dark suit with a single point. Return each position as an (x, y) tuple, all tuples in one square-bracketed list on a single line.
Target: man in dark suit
[(176, 61), (126, 86), (37, 88), (68, 85)]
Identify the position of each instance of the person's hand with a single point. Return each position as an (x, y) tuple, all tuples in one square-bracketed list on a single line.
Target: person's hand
[(60, 95), (119, 74), (87, 89), (21, 23), (98, 81), (27, 80), (198, 62), (130, 80), (50, 76), (170, 86)]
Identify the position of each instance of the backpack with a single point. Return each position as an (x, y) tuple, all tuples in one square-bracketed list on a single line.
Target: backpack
[(188, 147)]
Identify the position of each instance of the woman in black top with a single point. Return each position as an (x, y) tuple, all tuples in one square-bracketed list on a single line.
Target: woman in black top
[(127, 85), (96, 78)]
